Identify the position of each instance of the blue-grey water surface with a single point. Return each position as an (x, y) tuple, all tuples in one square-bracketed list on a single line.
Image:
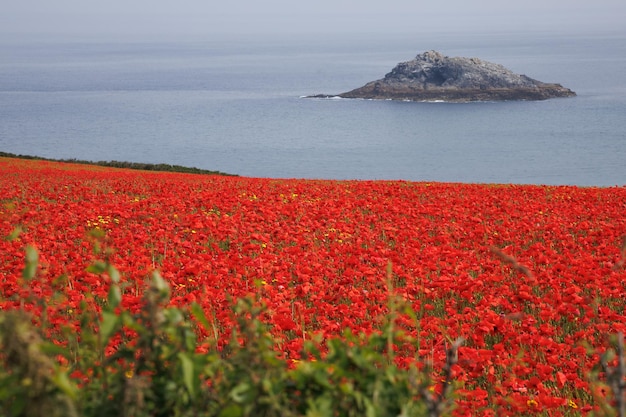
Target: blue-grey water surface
[(235, 105)]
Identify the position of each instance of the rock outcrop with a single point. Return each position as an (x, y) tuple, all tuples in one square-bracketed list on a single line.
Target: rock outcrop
[(432, 76)]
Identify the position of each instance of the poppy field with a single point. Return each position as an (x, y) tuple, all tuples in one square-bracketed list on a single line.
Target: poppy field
[(531, 277)]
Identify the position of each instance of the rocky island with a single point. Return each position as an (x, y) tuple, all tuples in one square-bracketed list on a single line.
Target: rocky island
[(432, 76)]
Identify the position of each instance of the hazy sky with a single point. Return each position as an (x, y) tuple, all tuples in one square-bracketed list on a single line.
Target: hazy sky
[(198, 17)]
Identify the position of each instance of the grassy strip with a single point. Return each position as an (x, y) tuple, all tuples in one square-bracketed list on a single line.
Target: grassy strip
[(126, 165)]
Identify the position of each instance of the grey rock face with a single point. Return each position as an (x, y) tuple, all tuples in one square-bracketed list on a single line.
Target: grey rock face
[(433, 76), (432, 68)]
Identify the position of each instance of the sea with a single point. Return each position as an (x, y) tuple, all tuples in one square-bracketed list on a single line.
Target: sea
[(236, 104)]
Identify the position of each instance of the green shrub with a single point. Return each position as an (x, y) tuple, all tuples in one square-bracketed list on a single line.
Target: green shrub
[(156, 368)]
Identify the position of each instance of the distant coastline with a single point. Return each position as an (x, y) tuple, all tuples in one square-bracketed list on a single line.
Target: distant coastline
[(125, 165)]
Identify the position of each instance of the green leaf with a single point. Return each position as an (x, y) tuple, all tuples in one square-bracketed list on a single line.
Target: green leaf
[(159, 284), (32, 259), (115, 296), (51, 349), (199, 315), (61, 280), (267, 385), (320, 406), (188, 374), (97, 234), (62, 382), (174, 316), (14, 234), (240, 392), (107, 326), (232, 410), (97, 267), (18, 405), (114, 274)]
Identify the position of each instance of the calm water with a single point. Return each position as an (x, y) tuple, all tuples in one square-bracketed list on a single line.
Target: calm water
[(234, 105)]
